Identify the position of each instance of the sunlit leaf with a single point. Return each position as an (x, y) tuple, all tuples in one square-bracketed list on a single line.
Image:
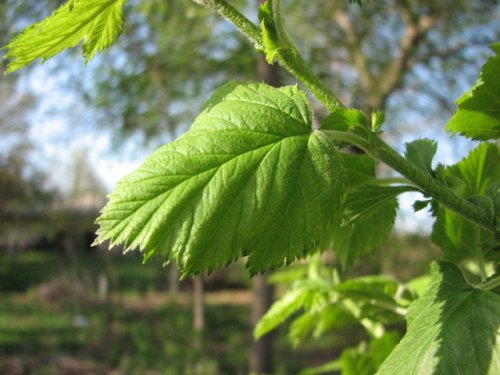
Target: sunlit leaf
[(96, 23), (251, 178), (478, 114), (452, 329)]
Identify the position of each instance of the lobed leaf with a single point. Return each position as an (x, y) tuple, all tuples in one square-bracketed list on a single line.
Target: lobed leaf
[(452, 329), (478, 114), (251, 178), (97, 23)]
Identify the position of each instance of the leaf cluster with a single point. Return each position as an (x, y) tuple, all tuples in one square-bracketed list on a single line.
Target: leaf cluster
[(254, 178)]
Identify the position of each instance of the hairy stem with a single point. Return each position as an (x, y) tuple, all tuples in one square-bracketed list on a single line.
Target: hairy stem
[(289, 58), (379, 150), (226, 10)]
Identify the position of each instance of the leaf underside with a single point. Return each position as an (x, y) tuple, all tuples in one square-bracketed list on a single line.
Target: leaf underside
[(96, 23), (251, 178), (452, 329)]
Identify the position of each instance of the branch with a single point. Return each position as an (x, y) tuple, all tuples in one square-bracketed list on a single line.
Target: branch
[(290, 58), (230, 13), (354, 47), (414, 33), (379, 150)]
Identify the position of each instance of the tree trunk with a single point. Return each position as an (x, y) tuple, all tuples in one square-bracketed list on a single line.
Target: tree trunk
[(261, 351), (198, 324)]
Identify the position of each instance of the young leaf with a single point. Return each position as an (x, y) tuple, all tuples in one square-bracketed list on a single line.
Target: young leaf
[(452, 329), (458, 237), (97, 23), (421, 152), (250, 178), (368, 217), (281, 310), (478, 170), (378, 119), (344, 119), (478, 114), (270, 37)]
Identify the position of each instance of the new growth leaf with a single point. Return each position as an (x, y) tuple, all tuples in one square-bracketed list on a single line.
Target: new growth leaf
[(96, 23), (478, 114)]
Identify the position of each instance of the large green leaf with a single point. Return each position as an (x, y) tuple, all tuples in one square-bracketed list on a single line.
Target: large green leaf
[(250, 178), (97, 23), (478, 114), (452, 329)]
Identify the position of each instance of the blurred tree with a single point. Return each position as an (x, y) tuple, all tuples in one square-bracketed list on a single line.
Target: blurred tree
[(402, 53), (87, 191), (160, 73), (396, 55), (21, 186)]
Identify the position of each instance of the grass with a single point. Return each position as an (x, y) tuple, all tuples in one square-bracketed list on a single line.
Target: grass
[(141, 329)]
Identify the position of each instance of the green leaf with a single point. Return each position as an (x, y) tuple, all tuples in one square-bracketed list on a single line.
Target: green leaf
[(281, 310), (366, 200), (479, 170), (251, 178), (421, 152), (270, 39), (369, 289), (378, 119), (97, 23), (452, 329), (368, 217), (361, 360), (478, 114), (375, 296), (344, 119), (458, 237), (360, 168)]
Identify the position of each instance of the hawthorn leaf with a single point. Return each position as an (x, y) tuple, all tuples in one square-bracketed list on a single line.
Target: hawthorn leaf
[(96, 23), (452, 329), (251, 178), (478, 114), (421, 152)]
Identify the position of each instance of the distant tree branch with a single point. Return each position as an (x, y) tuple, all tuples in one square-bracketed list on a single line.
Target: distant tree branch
[(390, 79)]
